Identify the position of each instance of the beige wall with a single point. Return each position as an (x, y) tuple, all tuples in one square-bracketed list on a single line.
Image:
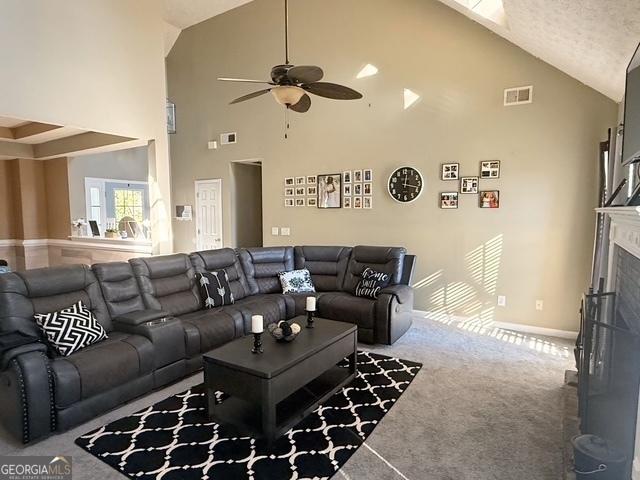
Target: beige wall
[(7, 205), (58, 211), (96, 65), (536, 246)]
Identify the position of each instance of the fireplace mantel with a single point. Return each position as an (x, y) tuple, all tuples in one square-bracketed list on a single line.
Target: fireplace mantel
[(625, 227)]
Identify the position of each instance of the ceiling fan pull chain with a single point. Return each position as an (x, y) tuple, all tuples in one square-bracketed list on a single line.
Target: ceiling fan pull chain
[(286, 123)]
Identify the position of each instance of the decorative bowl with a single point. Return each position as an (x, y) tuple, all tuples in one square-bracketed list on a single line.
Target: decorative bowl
[(284, 331)]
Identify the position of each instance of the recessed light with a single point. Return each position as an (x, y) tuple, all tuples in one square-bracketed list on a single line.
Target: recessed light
[(367, 71), (410, 97)]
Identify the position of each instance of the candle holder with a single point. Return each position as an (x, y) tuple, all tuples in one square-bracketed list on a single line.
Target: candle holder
[(309, 319), (257, 343)]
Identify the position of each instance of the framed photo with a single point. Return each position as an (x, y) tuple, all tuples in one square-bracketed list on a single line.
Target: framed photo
[(289, 192), (368, 188), (301, 180), (449, 200), (289, 202), (171, 117), (346, 176), (490, 199), (347, 190), (312, 202), (469, 185), (450, 171), (300, 191), (357, 202), (301, 202), (357, 176), (367, 203), (346, 202), (289, 182), (368, 175), (357, 189), (311, 180), (312, 191), (490, 169), (330, 190)]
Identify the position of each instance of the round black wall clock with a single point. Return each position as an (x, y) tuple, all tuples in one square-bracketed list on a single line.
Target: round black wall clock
[(405, 184)]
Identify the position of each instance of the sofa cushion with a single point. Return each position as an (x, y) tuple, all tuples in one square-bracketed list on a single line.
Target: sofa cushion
[(382, 259), (273, 307), (345, 307), (262, 266), (45, 290), (119, 288), (224, 258), (215, 290), (215, 327), (70, 329), (327, 265), (167, 283), (371, 283), (101, 367), (296, 281)]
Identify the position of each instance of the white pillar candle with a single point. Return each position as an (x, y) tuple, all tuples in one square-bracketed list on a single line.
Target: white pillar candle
[(257, 324), (311, 304)]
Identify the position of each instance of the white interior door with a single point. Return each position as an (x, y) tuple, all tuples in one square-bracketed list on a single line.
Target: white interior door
[(208, 214)]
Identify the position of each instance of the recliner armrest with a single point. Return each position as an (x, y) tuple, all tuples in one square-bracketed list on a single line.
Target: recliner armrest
[(140, 317), (12, 353), (403, 293)]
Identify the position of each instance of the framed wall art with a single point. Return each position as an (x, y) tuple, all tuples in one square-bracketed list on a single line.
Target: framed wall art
[(469, 185), (490, 169), (490, 199), (448, 200), (330, 190), (450, 171)]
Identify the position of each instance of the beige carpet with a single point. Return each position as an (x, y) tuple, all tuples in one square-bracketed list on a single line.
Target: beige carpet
[(487, 405)]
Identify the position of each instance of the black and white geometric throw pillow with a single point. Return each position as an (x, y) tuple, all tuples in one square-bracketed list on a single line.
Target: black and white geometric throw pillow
[(371, 283), (296, 281), (71, 329), (215, 289)]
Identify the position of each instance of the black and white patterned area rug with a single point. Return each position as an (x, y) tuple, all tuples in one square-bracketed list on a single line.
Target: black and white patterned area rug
[(174, 439)]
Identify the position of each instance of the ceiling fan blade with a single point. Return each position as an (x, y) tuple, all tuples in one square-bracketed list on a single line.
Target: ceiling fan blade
[(305, 74), (243, 80), (332, 90), (303, 104), (250, 96)]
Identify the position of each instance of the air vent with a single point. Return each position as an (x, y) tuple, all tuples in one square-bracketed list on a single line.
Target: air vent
[(228, 138), (518, 96)]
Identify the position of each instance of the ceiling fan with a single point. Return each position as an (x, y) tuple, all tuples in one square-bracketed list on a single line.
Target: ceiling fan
[(291, 84)]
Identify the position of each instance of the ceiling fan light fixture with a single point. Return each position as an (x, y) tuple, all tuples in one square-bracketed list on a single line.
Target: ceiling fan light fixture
[(287, 95)]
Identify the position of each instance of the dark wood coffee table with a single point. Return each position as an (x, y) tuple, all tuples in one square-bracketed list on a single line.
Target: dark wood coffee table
[(273, 391)]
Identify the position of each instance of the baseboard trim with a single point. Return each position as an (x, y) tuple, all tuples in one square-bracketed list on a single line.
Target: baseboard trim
[(517, 327)]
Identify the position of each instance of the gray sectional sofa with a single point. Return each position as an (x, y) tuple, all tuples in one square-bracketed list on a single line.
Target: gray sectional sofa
[(157, 329)]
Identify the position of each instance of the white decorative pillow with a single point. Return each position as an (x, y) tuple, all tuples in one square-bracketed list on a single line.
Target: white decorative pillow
[(71, 329), (296, 281)]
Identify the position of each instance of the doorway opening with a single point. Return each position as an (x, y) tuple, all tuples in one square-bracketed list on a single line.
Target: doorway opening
[(246, 197)]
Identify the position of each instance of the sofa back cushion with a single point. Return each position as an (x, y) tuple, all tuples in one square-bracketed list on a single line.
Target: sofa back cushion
[(167, 283), (262, 265), (223, 259), (327, 265), (381, 259), (46, 290), (119, 288)]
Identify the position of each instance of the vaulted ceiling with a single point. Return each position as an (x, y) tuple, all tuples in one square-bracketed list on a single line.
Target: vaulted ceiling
[(590, 40)]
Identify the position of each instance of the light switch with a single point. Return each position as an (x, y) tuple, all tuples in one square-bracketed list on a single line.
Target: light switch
[(275, 231), (502, 301), (285, 231)]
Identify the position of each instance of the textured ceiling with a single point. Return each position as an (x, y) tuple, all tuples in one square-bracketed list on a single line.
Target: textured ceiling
[(184, 13), (590, 40)]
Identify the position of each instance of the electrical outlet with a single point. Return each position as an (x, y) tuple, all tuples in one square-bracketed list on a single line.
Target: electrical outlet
[(502, 301), (539, 305), (285, 231), (275, 231)]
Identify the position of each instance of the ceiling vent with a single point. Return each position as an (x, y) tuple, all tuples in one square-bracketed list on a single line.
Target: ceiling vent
[(518, 96)]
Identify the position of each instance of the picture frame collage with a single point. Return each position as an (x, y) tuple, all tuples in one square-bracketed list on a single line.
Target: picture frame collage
[(352, 189), (357, 189), (470, 185), (301, 191)]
